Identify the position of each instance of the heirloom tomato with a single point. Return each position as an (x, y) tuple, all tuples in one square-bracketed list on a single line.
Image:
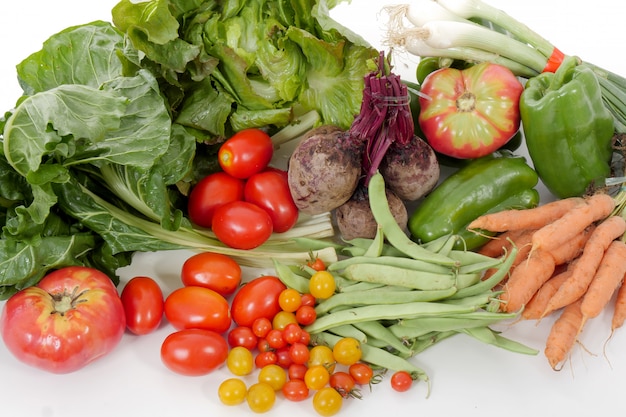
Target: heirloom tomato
[(472, 112), (242, 225), (194, 352), (257, 299), (212, 270), (211, 192), (245, 153), (197, 307), (142, 299), (270, 191), (73, 316)]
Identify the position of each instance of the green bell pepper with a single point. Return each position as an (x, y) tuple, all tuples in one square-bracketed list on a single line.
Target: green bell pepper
[(568, 129), (489, 184)]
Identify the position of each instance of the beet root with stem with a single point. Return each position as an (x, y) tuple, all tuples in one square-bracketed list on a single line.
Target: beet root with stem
[(324, 170), (411, 171), (355, 219)]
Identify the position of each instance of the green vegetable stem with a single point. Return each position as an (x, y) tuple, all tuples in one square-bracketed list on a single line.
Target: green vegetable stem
[(489, 184), (568, 129)]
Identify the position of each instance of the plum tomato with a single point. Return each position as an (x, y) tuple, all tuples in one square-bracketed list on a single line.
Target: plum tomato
[(245, 153), (212, 270), (197, 307), (257, 298), (270, 191), (72, 317), (194, 352), (211, 192), (142, 299), (242, 225)]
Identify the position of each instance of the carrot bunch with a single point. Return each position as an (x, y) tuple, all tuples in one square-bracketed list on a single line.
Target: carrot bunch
[(571, 261)]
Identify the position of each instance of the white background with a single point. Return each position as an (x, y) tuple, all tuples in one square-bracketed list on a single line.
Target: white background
[(468, 378)]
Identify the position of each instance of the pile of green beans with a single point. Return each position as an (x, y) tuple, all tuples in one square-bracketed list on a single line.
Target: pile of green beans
[(398, 297)]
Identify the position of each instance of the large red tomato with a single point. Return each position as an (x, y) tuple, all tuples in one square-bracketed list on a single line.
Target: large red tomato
[(270, 191), (194, 352), (142, 299), (211, 192), (197, 307), (472, 112), (242, 225), (258, 298), (245, 153), (213, 270), (72, 317)]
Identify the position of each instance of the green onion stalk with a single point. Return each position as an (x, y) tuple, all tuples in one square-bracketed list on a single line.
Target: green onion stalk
[(473, 31)]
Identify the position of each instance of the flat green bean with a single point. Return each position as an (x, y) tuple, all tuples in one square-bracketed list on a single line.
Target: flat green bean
[(383, 312), (349, 330), (422, 343), (490, 336), (382, 295), (426, 325), (393, 232), (437, 244), (376, 330), (376, 248), (467, 280), (448, 245), (480, 266), (392, 275), (359, 245), (467, 257), (492, 281), (291, 279), (401, 262), (359, 286)]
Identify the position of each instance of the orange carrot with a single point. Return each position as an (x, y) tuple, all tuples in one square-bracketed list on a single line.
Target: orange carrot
[(526, 279), (577, 219), (499, 245), (537, 305), (607, 279), (533, 218), (522, 239), (573, 247), (584, 271), (563, 334), (619, 312)]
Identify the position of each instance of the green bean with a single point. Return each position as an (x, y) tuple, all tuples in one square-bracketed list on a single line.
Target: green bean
[(291, 279), (408, 263), (393, 232), (448, 245), (349, 330), (478, 300), (359, 286), (490, 336), (492, 281), (313, 244), (376, 248), (411, 329), (422, 343), (467, 257), (376, 330), (480, 266), (383, 312), (382, 295), (377, 357), (437, 244), (467, 280), (360, 245), (392, 275), (472, 315)]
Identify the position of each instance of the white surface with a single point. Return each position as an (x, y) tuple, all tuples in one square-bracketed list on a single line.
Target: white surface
[(468, 378)]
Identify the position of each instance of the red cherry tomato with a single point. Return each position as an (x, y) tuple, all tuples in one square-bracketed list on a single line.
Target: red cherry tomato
[(295, 390), (72, 317), (194, 352), (216, 271), (211, 192), (401, 381), (242, 225), (270, 191), (258, 298), (143, 305), (242, 336), (246, 153), (197, 307)]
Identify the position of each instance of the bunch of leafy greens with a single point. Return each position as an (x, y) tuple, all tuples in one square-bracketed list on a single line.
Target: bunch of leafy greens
[(113, 121)]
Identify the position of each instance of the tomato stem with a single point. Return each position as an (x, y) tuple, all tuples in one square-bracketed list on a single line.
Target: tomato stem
[(65, 301)]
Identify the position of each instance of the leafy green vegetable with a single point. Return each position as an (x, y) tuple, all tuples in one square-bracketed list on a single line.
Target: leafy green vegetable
[(113, 125)]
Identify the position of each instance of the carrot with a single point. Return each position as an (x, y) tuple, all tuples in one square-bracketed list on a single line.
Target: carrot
[(522, 240), (499, 245), (573, 222), (563, 334), (607, 279), (573, 247), (619, 311), (537, 305), (532, 218), (526, 279), (584, 271)]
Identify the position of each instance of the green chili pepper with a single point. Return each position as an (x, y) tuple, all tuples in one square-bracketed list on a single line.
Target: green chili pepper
[(485, 185), (568, 129)]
